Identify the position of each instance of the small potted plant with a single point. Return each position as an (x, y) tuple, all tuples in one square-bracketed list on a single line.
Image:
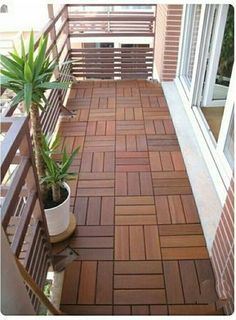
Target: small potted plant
[(57, 201)]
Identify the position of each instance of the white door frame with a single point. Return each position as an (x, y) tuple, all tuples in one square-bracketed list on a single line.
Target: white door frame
[(213, 154), (214, 56)]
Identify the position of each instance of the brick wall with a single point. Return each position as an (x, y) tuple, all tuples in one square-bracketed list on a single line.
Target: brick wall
[(168, 25), (222, 254)]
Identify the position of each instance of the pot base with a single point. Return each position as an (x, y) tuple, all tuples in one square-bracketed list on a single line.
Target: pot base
[(67, 233)]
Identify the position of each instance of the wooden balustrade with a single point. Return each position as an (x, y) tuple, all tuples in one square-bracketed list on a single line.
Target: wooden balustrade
[(22, 213), (119, 63), (110, 23)]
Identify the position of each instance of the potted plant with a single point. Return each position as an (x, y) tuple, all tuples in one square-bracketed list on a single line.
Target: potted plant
[(28, 75), (57, 202)]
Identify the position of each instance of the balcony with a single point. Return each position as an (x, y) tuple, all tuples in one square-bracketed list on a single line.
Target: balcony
[(139, 247)]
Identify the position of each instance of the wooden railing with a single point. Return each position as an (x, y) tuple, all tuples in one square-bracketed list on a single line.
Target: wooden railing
[(110, 24), (22, 213), (119, 63)]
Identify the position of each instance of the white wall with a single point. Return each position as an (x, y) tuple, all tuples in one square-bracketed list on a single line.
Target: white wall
[(23, 16)]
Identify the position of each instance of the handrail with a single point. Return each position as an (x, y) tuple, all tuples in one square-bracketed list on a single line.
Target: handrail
[(22, 210)]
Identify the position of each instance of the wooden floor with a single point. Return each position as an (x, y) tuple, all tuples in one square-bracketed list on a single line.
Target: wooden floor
[(140, 242)]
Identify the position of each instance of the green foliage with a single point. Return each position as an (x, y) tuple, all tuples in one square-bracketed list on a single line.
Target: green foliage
[(28, 74), (56, 172), (227, 50)]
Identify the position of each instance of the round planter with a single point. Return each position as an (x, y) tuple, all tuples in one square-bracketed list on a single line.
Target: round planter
[(58, 218)]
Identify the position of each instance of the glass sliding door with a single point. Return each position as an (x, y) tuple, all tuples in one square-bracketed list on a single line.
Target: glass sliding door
[(206, 77), (221, 58)]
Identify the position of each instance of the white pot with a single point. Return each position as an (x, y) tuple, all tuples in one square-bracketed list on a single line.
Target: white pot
[(58, 218)]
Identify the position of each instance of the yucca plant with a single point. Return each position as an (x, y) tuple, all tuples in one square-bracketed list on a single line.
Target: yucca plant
[(56, 172), (29, 74)]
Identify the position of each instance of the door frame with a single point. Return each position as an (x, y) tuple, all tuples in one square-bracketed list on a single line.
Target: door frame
[(214, 56)]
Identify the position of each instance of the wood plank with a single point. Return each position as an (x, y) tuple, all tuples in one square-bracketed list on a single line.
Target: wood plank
[(159, 310), (107, 211), (138, 281), (205, 273), (146, 183), (176, 209), (71, 284), (140, 310), (92, 254), (87, 286), (135, 210), (155, 161), (184, 253), (135, 200), (86, 310), (149, 296), (152, 243), (189, 281), (121, 243), (190, 209), (173, 282), (104, 282), (183, 229), (135, 220), (93, 214), (133, 183), (136, 238), (121, 188), (162, 210), (182, 241), (138, 267), (192, 309)]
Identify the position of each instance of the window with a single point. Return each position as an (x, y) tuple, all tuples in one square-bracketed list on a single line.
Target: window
[(189, 44)]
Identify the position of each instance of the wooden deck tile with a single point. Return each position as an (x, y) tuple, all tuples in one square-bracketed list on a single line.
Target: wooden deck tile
[(140, 244), (104, 282), (140, 310), (158, 310), (192, 309), (190, 281), (184, 253), (138, 267), (137, 249), (138, 281), (71, 284), (173, 282), (87, 286), (121, 310), (145, 296)]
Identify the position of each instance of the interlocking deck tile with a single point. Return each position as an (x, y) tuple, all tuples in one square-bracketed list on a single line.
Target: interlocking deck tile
[(86, 309), (140, 244), (138, 267), (140, 310), (193, 309), (70, 284), (173, 282), (145, 296), (138, 281), (121, 310), (104, 282), (87, 285)]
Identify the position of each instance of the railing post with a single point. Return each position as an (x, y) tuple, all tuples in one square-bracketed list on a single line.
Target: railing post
[(53, 37), (66, 15)]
